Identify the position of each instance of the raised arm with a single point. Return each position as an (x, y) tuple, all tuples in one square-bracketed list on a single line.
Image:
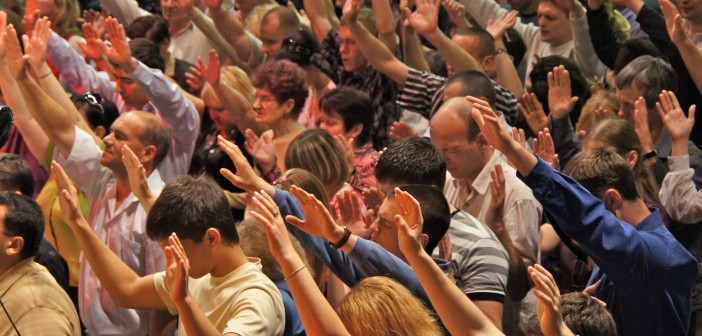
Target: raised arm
[(583, 50), (688, 51), (231, 29), (458, 313), (125, 287), (507, 75), (378, 54), (318, 317), (385, 24), (317, 12)]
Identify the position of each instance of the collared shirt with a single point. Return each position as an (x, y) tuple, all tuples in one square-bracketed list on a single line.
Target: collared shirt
[(122, 229), (364, 160), (166, 100), (34, 301), (522, 212), (189, 44), (646, 275), (381, 89)]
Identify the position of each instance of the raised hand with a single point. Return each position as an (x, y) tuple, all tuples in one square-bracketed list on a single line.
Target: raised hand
[(546, 150), (497, 28), (549, 305), (268, 214), (519, 136), (424, 18), (409, 223), (489, 125), (305, 22), (96, 20), (560, 100), (3, 27), (349, 213), (212, 71), (347, 148), (92, 49), (641, 124), (261, 149), (318, 221), (350, 11), (68, 200), (117, 51), (533, 113), (678, 125), (372, 198), (245, 177), (456, 12), (16, 61), (673, 22), (195, 77), (400, 130), (35, 47), (494, 218), (177, 269), (137, 178), (29, 20)]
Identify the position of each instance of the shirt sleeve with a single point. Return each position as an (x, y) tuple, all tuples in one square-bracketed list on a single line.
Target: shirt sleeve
[(162, 290), (483, 271), (125, 11), (678, 193), (584, 52), (253, 313), (418, 92), (45, 321), (83, 164)]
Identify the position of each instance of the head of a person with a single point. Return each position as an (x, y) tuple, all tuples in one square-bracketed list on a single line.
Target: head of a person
[(172, 13), (317, 152), (554, 22), (145, 134), (634, 48), (437, 62), (64, 15), (515, 46), (6, 123), (480, 44), (457, 137), (148, 53), (235, 78), (691, 10), (604, 101), (305, 180), (347, 112), (197, 211), (299, 47), (151, 27), (606, 175), (15, 175), (254, 243), (582, 314), (619, 136), (471, 83), (21, 227), (402, 313), (435, 212), (522, 5), (97, 111), (276, 24), (281, 91), (413, 160), (646, 77), (255, 16), (579, 84), (351, 56)]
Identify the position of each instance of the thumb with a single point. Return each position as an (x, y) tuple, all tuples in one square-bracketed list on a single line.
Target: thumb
[(236, 180), (299, 223)]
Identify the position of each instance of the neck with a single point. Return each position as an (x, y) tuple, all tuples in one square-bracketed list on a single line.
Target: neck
[(230, 258), (178, 26), (633, 212), (488, 153), (285, 127)]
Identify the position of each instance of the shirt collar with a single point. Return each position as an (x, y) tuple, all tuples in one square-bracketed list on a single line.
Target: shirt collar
[(651, 222), (482, 182)]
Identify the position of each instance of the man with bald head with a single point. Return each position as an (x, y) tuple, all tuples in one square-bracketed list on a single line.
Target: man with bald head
[(276, 24), (469, 161)]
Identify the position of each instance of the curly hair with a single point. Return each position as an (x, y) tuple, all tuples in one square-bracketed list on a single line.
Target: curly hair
[(285, 80)]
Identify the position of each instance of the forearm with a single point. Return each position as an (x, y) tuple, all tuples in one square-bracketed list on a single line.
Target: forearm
[(207, 27), (125, 11), (412, 51), (194, 320), (317, 12), (517, 277), (384, 23), (458, 58), (232, 31), (239, 108), (458, 313), (692, 58), (584, 51), (380, 57), (507, 75)]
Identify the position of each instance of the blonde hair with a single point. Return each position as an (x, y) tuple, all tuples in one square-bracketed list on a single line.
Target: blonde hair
[(234, 77), (254, 243), (65, 19), (253, 20), (621, 26), (601, 99), (381, 306)]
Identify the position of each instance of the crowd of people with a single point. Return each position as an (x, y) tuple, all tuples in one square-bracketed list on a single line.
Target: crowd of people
[(426, 167)]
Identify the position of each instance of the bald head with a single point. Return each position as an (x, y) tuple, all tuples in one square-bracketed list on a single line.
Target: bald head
[(276, 24), (452, 110), (154, 133)]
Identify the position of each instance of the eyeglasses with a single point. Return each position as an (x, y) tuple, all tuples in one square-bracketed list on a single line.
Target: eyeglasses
[(93, 99), (291, 46), (264, 99)]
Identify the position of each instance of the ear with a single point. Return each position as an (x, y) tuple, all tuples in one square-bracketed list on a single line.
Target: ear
[(13, 246), (481, 142), (289, 105), (212, 237), (100, 131), (148, 154), (355, 130), (631, 158), (612, 199), (423, 239)]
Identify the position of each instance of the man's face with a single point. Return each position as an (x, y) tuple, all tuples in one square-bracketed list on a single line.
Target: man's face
[(351, 56), (554, 23), (221, 117), (384, 228), (691, 10), (130, 91), (271, 36), (627, 96), (126, 130), (171, 12), (449, 134), (198, 255)]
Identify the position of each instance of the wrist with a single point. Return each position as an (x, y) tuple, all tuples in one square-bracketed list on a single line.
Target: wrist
[(680, 147), (433, 35), (337, 236), (130, 66)]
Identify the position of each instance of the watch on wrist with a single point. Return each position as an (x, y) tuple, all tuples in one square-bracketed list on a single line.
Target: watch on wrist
[(650, 155), (342, 241)]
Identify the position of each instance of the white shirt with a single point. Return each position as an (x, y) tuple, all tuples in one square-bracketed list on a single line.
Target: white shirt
[(678, 193), (122, 229), (522, 212)]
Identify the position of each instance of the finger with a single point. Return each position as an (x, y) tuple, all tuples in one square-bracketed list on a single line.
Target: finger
[(262, 207), (295, 221), (62, 179), (691, 113), (300, 195)]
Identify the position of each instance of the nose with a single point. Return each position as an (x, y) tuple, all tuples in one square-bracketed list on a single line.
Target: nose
[(375, 229)]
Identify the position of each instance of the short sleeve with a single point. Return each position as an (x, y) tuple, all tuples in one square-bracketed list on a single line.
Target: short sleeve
[(162, 290)]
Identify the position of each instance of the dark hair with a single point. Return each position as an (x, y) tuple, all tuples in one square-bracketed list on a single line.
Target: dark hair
[(585, 316), (486, 44), (579, 84), (287, 19), (285, 80), (15, 174), (650, 75), (299, 47), (600, 169), (354, 107), (148, 53), (435, 211), (7, 119), (437, 62), (25, 219), (413, 160), (151, 27), (156, 134), (514, 44), (99, 111), (476, 84), (189, 206), (633, 48)]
